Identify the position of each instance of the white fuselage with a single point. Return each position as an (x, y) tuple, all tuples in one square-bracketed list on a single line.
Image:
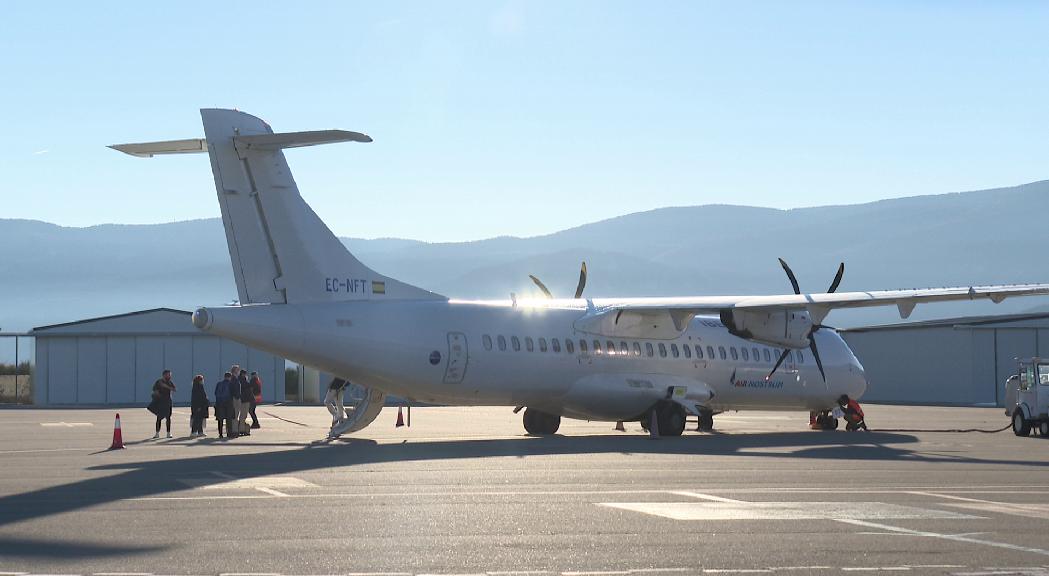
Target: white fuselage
[(495, 353)]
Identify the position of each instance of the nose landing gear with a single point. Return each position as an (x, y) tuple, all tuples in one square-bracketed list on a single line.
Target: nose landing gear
[(824, 421)]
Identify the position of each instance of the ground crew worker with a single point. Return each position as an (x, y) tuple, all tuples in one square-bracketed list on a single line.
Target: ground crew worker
[(853, 413)]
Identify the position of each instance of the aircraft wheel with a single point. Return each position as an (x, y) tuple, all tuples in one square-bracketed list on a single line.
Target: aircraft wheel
[(671, 419), (830, 423), (539, 423), (1043, 428), (706, 422), (1021, 427)]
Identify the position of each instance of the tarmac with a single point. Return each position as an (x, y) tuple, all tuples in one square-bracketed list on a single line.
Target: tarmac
[(465, 491)]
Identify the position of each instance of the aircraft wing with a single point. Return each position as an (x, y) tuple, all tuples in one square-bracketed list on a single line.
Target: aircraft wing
[(668, 317)]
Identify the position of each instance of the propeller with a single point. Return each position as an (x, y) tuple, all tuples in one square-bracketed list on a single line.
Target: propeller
[(815, 327), (578, 289)]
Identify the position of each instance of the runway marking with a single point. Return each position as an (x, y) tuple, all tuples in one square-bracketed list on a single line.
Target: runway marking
[(230, 483), (783, 511), (1031, 510), (707, 497), (66, 424), (271, 491), (41, 451), (952, 537)]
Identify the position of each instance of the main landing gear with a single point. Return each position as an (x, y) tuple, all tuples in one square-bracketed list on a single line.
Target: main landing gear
[(706, 422), (823, 421), (539, 423), (670, 419)]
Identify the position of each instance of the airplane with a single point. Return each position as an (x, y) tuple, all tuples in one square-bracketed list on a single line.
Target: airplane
[(305, 297)]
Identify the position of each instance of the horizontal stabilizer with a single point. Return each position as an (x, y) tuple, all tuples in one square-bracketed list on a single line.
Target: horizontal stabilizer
[(149, 149), (297, 139), (244, 143)]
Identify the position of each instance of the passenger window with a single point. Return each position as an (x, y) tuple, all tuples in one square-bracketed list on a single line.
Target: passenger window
[(710, 352), (662, 350), (582, 346), (597, 346), (515, 343), (555, 345), (487, 340), (624, 349), (757, 354), (502, 343), (687, 350), (611, 347), (648, 349), (542, 344), (637, 348), (699, 351), (569, 346), (768, 357), (735, 356), (799, 357), (721, 352), (746, 355), (529, 345), (673, 351)]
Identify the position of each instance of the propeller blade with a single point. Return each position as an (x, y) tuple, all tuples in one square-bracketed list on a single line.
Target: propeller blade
[(816, 355), (782, 357), (582, 281), (541, 286), (837, 278), (790, 274)]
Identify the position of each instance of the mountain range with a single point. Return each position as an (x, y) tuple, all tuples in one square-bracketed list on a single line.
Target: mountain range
[(55, 274)]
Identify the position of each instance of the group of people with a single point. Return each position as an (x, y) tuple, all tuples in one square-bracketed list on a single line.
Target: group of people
[(236, 396)]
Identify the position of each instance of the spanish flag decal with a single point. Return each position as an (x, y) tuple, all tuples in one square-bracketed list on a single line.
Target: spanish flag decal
[(378, 287)]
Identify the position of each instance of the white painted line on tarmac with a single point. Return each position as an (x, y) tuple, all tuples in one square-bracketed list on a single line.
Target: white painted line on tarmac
[(783, 511), (1029, 510), (42, 451), (710, 497), (66, 424), (123, 574), (271, 491), (952, 537), (518, 573)]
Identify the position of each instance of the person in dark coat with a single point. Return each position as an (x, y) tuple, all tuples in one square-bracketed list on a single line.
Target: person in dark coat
[(199, 405), (256, 398), (224, 405), (161, 404), (247, 397)]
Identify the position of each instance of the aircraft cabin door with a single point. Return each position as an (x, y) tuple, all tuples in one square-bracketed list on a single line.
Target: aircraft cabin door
[(458, 357)]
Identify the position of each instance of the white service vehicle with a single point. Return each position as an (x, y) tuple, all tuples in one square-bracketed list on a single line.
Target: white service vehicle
[(1027, 397), (305, 297)]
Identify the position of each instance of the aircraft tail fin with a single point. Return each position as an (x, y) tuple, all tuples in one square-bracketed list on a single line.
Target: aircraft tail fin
[(281, 250)]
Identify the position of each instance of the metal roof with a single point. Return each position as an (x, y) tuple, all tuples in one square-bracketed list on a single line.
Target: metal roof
[(964, 321), (79, 325)]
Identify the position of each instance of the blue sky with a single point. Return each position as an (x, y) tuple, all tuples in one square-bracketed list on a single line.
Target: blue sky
[(524, 118)]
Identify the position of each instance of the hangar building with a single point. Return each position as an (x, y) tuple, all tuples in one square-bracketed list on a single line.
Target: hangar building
[(961, 361), (116, 359)]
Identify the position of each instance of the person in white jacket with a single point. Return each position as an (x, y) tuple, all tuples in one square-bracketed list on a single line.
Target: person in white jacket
[(333, 400)]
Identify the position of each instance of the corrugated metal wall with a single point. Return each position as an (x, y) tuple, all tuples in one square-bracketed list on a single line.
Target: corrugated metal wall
[(97, 369)]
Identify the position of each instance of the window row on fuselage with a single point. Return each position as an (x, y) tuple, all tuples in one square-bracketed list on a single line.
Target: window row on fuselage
[(636, 348)]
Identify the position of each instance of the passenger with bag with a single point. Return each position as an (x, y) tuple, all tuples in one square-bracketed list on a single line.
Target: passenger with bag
[(160, 405)]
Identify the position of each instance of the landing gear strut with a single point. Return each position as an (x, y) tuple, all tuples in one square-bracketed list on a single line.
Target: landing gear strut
[(539, 423)]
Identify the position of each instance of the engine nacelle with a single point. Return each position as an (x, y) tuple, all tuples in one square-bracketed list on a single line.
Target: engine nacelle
[(786, 328)]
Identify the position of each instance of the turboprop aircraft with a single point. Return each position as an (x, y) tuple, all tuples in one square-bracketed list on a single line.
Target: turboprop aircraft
[(305, 297)]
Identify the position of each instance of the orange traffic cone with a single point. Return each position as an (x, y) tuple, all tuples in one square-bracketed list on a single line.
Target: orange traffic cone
[(118, 439), (619, 426), (400, 417)]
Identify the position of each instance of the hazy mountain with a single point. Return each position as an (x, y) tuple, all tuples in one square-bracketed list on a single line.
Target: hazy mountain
[(55, 274)]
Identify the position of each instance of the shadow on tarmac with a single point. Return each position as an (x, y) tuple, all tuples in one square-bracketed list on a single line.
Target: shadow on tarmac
[(156, 478)]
